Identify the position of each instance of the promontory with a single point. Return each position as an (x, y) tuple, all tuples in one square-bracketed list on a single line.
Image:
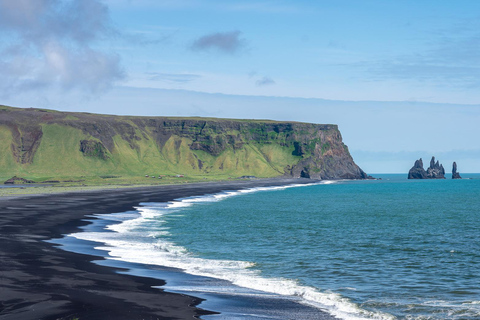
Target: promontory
[(46, 145)]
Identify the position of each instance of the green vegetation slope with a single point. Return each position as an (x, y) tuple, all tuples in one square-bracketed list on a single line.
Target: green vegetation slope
[(44, 145)]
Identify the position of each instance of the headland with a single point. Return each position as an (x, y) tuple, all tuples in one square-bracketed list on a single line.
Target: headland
[(51, 147)]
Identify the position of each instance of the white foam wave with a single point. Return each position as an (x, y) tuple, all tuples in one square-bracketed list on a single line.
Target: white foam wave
[(135, 241), (329, 182)]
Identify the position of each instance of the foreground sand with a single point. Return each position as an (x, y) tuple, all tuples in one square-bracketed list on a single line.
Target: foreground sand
[(41, 281)]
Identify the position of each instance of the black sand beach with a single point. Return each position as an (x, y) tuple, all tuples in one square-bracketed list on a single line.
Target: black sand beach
[(40, 281)]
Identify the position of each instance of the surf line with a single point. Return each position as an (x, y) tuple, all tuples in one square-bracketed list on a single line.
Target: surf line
[(131, 238)]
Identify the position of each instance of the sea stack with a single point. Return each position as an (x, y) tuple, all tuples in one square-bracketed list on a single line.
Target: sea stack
[(455, 174), (417, 171), (435, 171)]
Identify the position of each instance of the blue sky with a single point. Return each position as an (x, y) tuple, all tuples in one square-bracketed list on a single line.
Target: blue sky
[(400, 78)]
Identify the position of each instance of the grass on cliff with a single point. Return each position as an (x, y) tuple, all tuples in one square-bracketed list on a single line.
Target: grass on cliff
[(59, 158)]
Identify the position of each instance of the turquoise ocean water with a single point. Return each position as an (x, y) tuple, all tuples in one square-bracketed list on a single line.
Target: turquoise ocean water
[(385, 249)]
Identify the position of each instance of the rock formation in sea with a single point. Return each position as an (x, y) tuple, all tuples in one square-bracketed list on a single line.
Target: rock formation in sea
[(455, 174), (417, 171), (435, 171)]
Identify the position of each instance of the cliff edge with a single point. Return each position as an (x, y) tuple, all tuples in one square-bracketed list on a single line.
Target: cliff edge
[(44, 144)]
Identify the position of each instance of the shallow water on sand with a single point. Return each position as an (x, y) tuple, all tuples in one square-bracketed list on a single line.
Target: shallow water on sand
[(389, 249)]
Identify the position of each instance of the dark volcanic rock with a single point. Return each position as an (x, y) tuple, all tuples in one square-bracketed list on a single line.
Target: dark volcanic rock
[(435, 171), (26, 140), (93, 148), (455, 174), (17, 180), (417, 171)]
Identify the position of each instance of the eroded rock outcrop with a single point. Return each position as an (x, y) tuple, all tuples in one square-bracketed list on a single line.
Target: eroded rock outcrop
[(25, 142), (18, 180), (417, 171), (434, 171), (93, 149), (455, 174)]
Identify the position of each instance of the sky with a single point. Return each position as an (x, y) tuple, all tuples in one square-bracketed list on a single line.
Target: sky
[(400, 78)]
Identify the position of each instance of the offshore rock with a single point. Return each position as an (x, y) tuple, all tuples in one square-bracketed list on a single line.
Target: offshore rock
[(435, 171), (455, 174), (417, 171)]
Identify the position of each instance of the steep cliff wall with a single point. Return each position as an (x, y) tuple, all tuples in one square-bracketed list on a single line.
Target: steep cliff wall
[(46, 144)]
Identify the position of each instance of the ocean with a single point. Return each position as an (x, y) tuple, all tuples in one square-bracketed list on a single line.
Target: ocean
[(376, 249)]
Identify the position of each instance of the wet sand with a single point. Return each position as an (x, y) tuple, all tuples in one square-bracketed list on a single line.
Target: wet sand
[(41, 281)]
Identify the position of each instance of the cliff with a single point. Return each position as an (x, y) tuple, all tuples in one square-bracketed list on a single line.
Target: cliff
[(434, 171), (45, 144)]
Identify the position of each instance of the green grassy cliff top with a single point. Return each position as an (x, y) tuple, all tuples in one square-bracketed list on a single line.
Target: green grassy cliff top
[(78, 115)]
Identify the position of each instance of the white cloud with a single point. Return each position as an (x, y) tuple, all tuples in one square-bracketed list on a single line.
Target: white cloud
[(265, 81), (226, 42), (173, 77), (51, 44)]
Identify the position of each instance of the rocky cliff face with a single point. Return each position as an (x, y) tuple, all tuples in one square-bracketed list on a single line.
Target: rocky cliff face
[(434, 171), (417, 171), (455, 174), (85, 143)]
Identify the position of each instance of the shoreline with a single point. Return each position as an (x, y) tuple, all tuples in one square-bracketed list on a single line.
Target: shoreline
[(22, 190), (39, 280)]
